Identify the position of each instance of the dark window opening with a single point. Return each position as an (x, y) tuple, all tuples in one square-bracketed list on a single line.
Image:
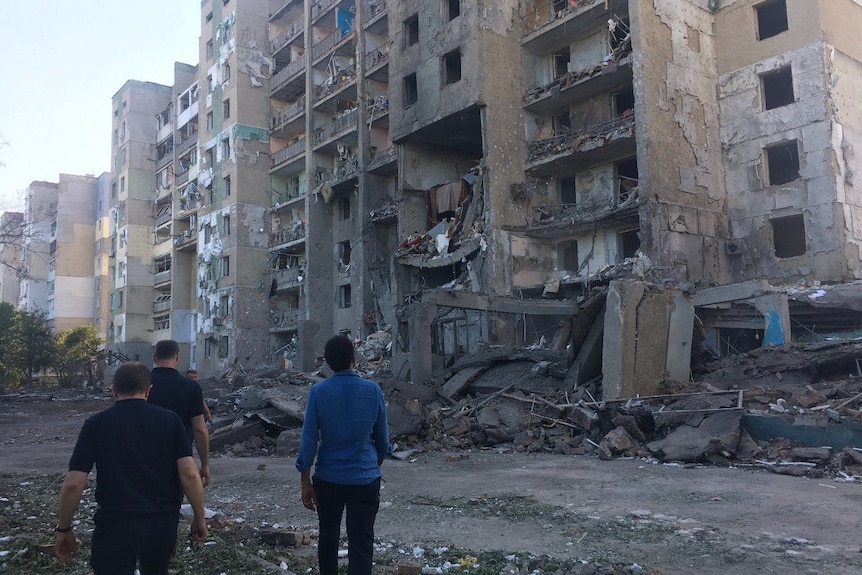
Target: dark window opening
[(226, 109), (777, 88), (619, 33), (223, 347), (209, 50), (345, 208), (567, 191), (562, 124), (452, 67), (344, 296), (453, 8), (788, 236), (226, 185), (560, 5), (568, 255), (561, 62), (783, 163), (627, 177), (624, 101), (629, 243), (771, 19), (411, 30), (344, 251), (411, 90)]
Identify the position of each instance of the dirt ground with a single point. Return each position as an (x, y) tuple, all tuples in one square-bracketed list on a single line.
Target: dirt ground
[(673, 519)]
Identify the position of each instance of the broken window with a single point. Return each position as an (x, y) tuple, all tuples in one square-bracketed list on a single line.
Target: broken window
[(627, 178), (561, 61), (777, 88), (619, 33), (209, 50), (226, 181), (224, 305), (345, 207), (209, 84), (226, 225), (628, 243), (567, 255), (411, 30), (624, 101), (225, 266), (771, 19), (567, 191), (225, 148), (225, 73), (411, 90), (226, 109), (207, 234), (452, 9), (223, 347), (782, 161), (162, 264), (788, 236), (344, 251), (210, 122), (344, 296), (562, 124), (452, 67)]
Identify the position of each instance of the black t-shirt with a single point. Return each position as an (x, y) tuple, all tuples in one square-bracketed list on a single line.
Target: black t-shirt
[(135, 447), (177, 393)]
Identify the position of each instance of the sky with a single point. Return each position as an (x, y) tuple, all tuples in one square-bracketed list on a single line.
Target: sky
[(62, 61)]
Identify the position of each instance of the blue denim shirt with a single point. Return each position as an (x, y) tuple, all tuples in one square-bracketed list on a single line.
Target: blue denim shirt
[(345, 429)]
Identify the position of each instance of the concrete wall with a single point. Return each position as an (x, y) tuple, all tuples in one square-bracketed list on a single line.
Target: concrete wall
[(682, 188), (12, 226)]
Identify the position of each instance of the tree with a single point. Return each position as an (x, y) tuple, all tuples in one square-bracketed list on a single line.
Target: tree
[(10, 350), (77, 355), (37, 349)]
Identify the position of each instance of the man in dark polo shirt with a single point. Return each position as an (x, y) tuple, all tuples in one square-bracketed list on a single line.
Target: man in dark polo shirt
[(183, 396), (144, 464)]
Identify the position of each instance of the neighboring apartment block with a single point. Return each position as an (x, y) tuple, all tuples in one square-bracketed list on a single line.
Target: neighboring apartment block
[(11, 228), (456, 170)]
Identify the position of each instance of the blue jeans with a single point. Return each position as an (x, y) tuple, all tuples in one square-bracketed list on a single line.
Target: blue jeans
[(362, 503)]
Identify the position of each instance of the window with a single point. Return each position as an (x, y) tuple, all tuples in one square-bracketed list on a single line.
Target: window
[(225, 266), (628, 243), (226, 109), (561, 61), (411, 30), (344, 296), (782, 161), (208, 232), (627, 178), (209, 84), (209, 49), (226, 181), (788, 236), (223, 346), (344, 251), (114, 190), (210, 17), (225, 73), (122, 184), (208, 347), (624, 102), (210, 122), (771, 19), (452, 67), (225, 149), (226, 225), (567, 191), (120, 299), (345, 207), (224, 306), (452, 9), (411, 90), (568, 256), (777, 88), (562, 123)]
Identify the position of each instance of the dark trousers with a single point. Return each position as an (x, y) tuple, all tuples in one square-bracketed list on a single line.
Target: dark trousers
[(362, 503), (118, 544)]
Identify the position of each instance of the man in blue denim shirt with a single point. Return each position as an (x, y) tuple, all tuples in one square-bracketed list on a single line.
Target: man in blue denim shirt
[(346, 430)]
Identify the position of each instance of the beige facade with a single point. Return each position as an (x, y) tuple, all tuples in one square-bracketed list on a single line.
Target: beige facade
[(12, 228), (39, 213)]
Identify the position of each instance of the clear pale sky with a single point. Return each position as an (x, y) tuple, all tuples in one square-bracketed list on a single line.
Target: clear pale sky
[(62, 61)]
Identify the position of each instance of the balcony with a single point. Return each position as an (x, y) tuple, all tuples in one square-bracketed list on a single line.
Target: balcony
[(601, 142), (164, 216), (614, 70), (288, 154), (563, 220), (287, 36), (285, 320), (342, 79), (326, 45), (289, 278), (373, 10), (345, 122), (185, 238), (385, 214), (375, 63), (285, 83), (162, 278), (289, 236), (321, 6), (162, 304), (345, 169), (550, 22), (287, 118), (383, 161)]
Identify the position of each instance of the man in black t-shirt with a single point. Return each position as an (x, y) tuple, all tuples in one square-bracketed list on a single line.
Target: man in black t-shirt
[(182, 396), (144, 464)]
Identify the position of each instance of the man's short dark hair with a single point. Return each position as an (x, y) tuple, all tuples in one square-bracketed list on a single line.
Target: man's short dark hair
[(166, 349), (338, 352), (188, 371), (132, 378)]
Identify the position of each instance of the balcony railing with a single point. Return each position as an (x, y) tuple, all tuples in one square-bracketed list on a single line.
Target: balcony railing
[(341, 79), (320, 7), (295, 232), (162, 305), (162, 277), (373, 8), (574, 140), (185, 237), (570, 79), (163, 217), (285, 115), (380, 157), (346, 168), (377, 56), (289, 152), (346, 121), (286, 36), (287, 73), (563, 216), (288, 318), (327, 44), (544, 13), (289, 277)]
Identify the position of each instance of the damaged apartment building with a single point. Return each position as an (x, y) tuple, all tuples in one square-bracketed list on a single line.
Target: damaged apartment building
[(467, 172)]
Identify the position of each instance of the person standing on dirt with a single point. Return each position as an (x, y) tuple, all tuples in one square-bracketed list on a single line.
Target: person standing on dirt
[(345, 436), (192, 374), (182, 396), (144, 464)]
